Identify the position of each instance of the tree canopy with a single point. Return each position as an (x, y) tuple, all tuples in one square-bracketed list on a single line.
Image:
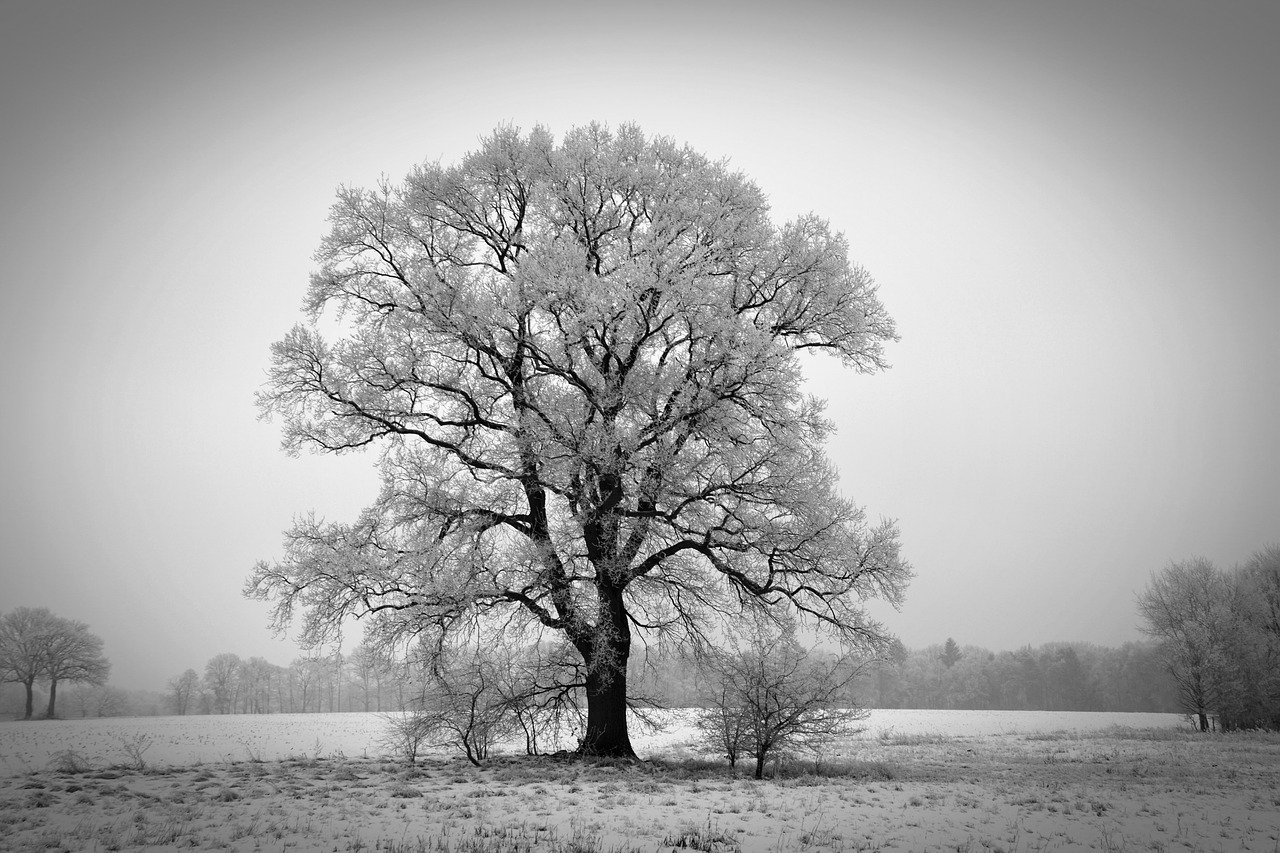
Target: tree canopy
[(580, 363), (1219, 634), (36, 644)]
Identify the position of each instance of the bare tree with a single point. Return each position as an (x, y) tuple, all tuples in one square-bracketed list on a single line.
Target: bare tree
[(22, 648), (254, 677), (72, 654), (1183, 607), (723, 724), (108, 701), (37, 645), (1249, 681), (462, 701), (222, 678), (581, 363), (363, 663), (768, 694), (541, 683), (182, 689)]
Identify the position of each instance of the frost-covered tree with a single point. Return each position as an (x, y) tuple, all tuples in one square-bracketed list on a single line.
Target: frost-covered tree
[(72, 654), (767, 694), (183, 689), (463, 702), (36, 645), (1182, 607), (22, 648), (1249, 693), (580, 363), (1219, 633), (222, 680)]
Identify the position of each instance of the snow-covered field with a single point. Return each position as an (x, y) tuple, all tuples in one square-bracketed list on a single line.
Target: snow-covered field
[(186, 741), (912, 781)]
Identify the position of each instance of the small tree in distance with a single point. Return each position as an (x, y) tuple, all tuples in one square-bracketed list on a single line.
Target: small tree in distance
[(183, 689), (37, 645), (951, 653), (768, 694), (73, 654), (22, 649)]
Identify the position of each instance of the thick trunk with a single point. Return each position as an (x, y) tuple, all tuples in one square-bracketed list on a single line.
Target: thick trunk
[(605, 654), (1204, 721), (607, 733), (30, 700), (53, 697), (760, 766)]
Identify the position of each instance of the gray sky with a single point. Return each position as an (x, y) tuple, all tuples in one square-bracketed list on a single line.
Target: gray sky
[(1072, 208)]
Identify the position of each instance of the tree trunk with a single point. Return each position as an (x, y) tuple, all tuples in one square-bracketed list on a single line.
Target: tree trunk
[(53, 696), (760, 757), (30, 700), (607, 714), (1204, 721), (605, 653)]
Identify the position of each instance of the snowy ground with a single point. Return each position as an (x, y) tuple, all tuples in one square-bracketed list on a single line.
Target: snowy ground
[(913, 781)]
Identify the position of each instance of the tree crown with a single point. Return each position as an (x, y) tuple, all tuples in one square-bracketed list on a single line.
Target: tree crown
[(580, 363)]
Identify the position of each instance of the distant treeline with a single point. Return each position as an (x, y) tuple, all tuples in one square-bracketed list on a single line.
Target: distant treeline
[(81, 701), (1052, 677)]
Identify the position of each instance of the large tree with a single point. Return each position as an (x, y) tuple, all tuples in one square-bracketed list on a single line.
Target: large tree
[(22, 649), (1183, 607), (37, 645), (580, 362), (73, 654)]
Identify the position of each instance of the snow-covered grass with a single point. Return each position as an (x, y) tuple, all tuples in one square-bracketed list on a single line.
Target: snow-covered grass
[(184, 741), (910, 781)]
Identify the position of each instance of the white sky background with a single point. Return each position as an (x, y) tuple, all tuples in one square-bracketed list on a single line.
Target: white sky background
[(1073, 211)]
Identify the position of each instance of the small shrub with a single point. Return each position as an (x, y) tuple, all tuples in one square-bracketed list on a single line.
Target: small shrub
[(707, 838), (69, 761), (406, 734), (134, 749)]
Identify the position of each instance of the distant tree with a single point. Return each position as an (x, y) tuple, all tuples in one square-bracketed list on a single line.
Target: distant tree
[(950, 653), (221, 678), (582, 364), (332, 666), (1249, 678), (254, 678), (768, 694), (72, 654), (1262, 578), (37, 645), (309, 674), (1182, 607), (1066, 683), (108, 701), (182, 690), (363, 666), (1219, 634), (23, 633)]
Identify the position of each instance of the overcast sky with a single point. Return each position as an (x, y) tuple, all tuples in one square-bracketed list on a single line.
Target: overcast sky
[(1072, 209)]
